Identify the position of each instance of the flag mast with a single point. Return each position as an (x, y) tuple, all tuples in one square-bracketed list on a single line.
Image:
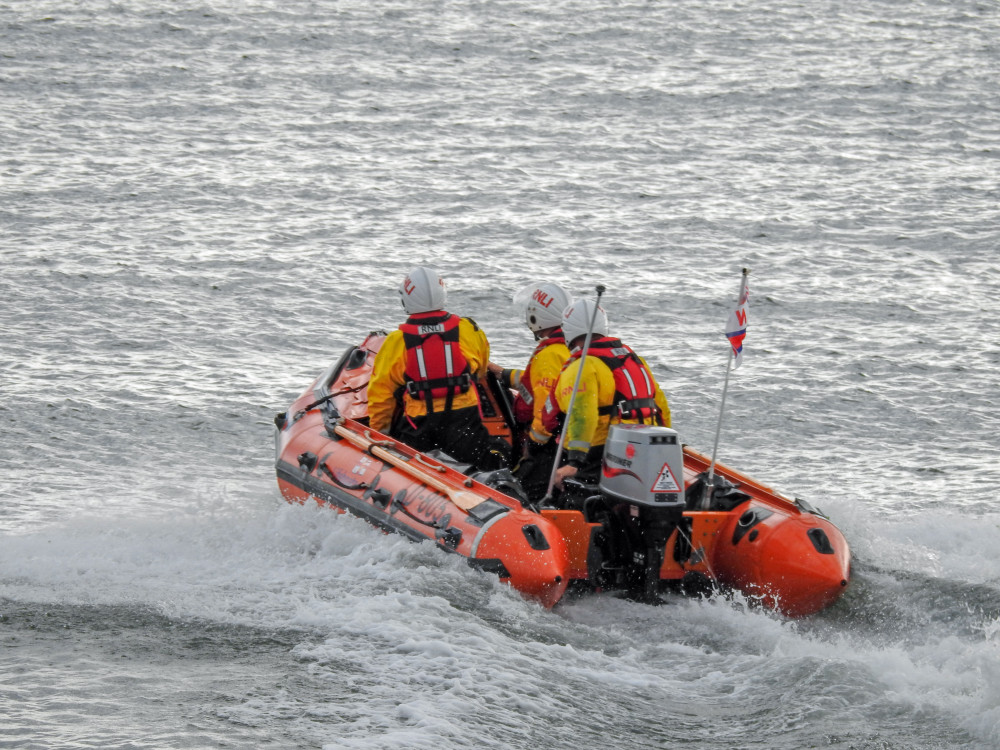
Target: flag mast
[(735, 331)]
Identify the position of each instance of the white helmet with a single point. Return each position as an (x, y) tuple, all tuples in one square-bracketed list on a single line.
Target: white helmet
[(542, 305), (576, 320), (422, 291)]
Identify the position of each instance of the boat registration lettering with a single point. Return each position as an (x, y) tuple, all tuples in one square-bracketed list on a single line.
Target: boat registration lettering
[(430, 505)]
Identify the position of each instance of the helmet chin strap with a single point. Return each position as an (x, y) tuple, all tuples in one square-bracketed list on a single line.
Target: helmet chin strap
[(543, 333)]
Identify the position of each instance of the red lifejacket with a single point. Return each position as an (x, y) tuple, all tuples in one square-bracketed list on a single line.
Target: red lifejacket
[(635, 389), (524, 403), (435, 364)]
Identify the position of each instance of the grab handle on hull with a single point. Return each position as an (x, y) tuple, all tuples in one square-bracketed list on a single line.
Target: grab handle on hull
[(461, 498)]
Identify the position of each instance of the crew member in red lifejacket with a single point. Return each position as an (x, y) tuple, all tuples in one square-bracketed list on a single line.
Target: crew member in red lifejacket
[(616, 386), (422, 389), (542, 305)]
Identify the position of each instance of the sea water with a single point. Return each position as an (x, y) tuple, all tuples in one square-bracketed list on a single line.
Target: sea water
[(203, 204)]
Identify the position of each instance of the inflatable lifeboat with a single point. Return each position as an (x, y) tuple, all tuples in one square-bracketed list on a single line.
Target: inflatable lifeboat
[(652, 523)]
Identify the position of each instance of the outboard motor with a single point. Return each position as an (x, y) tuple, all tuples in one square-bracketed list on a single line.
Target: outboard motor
[(643, 466)]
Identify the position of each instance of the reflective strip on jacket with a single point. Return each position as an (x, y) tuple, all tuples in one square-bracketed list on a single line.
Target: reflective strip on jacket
[(539, 377), (388, 381)]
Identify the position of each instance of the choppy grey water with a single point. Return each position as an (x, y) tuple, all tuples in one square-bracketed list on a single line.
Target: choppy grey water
[(203, 204)]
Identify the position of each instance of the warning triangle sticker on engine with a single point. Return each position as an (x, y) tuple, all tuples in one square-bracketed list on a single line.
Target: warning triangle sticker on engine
[(666, 482)]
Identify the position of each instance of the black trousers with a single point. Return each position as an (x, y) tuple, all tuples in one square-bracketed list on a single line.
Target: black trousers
[(535, 470), (460, 433)]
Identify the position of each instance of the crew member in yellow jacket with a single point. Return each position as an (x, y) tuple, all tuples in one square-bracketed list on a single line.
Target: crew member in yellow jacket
[(542, 305), (616, 386), (423, 385)]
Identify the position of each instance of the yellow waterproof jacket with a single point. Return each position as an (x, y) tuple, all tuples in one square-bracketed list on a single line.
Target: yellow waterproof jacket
[(387, 380), (586, 427), (543, 371)]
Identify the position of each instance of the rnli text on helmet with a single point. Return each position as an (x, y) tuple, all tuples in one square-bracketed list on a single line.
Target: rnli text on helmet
[(542, 298)]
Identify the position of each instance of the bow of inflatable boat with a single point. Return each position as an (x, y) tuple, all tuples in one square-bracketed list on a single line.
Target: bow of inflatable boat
[(794, 561)]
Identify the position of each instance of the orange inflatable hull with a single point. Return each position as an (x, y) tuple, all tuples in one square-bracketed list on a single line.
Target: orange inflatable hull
[(778, 552)]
